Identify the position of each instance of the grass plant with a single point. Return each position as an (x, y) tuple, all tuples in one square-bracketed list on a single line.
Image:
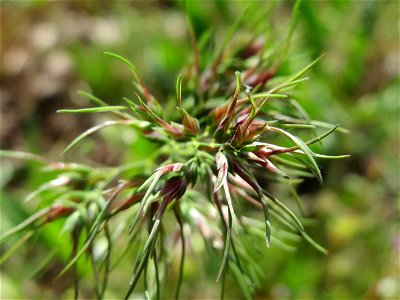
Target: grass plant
[(215, 155)]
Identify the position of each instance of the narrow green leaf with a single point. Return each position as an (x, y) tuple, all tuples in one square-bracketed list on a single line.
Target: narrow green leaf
[(226, 248), (328, 125), (294, 78), (317, 139), (267, 222), (269, 95), (305, 69), (288, 85), (24, 224), (301, 173), (281, 218), (75, 244), (292, 26), (242, 280), (294, 103), (313, 243), (330, 156), (94, 229), (107, 259), (37, 271), (236, 256), (15, 247), (101, 126), (92, 109), (95, 273), (223, 287), (231, 31), (179, 90), (230, 206), (250, 263), (296, 197), (81, 252), (142, 258), (289, 163), (126, 62), (322, 136), (297, 126), (151, 114), (253, 106), (304, 148), (293, 237), (24, 155), (313, 141), (157, 273), (51, 185), (182, 260), (154, 179), (225, 123), (284, 208), (281, 244), (71, 222), (92, 98), (133, 106)]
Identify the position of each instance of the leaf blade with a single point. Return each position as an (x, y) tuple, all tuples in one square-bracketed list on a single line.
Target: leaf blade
[(92, 109)]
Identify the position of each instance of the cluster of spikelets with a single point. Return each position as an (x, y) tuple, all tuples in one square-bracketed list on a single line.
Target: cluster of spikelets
[(215, 154)]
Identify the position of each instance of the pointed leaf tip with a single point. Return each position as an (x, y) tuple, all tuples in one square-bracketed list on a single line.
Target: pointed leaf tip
[(222, 167)]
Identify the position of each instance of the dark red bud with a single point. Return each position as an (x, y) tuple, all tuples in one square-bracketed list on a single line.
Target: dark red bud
[(259, 79), (58, 211), (190, 124), (192, 173), (251, 49), (129, 202), (173, 189), (172, 131), (175, 167)]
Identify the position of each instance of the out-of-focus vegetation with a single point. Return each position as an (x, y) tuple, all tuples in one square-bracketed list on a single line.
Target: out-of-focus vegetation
[(49, 50)]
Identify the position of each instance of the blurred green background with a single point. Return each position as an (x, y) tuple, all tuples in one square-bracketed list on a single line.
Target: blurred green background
[(51, 49)]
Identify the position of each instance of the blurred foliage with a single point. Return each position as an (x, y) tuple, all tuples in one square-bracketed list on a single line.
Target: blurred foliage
[(49, 50)]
